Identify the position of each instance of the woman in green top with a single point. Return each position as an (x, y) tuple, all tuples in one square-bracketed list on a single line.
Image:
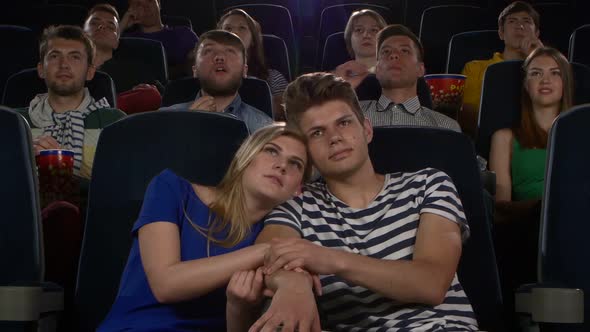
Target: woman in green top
[(517, 155)]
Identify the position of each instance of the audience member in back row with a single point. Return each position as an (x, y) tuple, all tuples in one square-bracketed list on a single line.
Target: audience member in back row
[(138, 87), (67, 115), (399, 65), (518, 156), (102, 26), (518, 27), (143, 20), (249, 31), (220, 65), (360, 36)]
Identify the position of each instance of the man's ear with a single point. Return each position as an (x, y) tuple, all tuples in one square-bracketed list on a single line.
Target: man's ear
[(195, 71), (501, 33), (40, 70), (537, 32), (421, 69), (245, 73), (90, 72), (368, 129)]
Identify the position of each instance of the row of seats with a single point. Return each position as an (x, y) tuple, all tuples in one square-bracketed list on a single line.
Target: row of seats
[(22, 87), (123, 150), (500, 102), (435, 23)]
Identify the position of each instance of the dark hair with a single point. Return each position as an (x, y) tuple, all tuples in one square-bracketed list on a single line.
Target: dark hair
[(350, 25), (256, 63), (69, 32), (399, 30), (103, 7), (529, 134), (222, 37), (517, 7), (316, 89)]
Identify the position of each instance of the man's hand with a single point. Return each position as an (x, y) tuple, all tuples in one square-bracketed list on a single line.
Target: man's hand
[(205, 103), (45, 142), (293, 306), (529, 44), (353, 72), (299, 253), (132, 16)]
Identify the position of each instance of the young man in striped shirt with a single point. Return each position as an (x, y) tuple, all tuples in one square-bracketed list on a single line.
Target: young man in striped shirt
[(386, 246)]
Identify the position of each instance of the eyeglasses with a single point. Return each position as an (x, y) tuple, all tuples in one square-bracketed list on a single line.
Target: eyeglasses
[(538, 75)]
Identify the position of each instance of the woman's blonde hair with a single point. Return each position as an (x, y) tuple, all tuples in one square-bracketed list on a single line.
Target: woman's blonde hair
[(352, 20), (228, 210), (528, 133)]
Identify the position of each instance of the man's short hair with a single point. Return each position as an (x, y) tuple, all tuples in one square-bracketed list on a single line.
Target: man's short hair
[(222, 37), (104, 7), (69, 32), (517, 7), (399, 30), (315, 89)]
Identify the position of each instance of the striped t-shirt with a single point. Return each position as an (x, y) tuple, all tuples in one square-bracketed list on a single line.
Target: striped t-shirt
[(277, 82), (386, 229)]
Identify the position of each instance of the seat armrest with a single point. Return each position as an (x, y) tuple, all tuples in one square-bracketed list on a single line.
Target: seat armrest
[(548, 304), (20, 303), (488, 180), (52, 299)]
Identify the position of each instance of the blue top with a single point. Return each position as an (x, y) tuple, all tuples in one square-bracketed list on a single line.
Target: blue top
[(253, 117), (136, 308)]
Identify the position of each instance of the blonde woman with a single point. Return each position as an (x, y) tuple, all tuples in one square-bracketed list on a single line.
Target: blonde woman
[(190, 239), (360, 36)]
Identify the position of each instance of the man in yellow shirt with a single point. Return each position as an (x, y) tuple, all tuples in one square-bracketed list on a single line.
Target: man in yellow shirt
[(518, 27)]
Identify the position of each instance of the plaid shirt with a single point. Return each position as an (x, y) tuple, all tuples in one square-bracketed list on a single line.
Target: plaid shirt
[(384, 112)]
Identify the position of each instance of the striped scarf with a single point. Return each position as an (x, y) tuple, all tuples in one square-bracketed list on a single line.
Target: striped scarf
[(66, 128)]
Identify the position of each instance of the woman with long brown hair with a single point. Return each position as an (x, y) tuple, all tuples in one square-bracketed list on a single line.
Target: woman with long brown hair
[(517, 155), (190, 239), (249, 31)]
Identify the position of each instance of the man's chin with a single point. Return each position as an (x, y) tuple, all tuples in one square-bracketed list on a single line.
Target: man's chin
[(215, 90), (65, 91)]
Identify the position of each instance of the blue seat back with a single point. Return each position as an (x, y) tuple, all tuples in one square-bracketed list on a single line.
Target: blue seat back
[(20, 225), (253, 91), (195, 145), (471, 45), (277, 55), (579, 45), (438, 24), (23, 86), (564, 246), (152, 59), (24, 51), (334, 52), (454, 154), (201, 13)]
